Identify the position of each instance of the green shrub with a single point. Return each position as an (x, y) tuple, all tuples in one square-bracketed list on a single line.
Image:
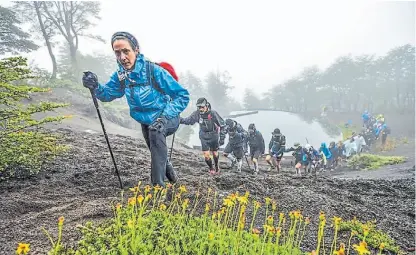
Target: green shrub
[(22, 144), (374, 238), (370, 161)]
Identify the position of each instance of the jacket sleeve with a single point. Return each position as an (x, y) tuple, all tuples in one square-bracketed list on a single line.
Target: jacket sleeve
[(178, 94), (218, 120), (111, 90), (191, 119), (289, 149), (270, 144), (262, 145)]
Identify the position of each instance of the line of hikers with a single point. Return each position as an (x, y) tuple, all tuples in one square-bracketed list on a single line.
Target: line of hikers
[(374, 128), (242, 144)]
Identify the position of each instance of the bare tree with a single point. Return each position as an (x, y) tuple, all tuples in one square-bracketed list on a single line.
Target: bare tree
[(73, 19), (33, 13)]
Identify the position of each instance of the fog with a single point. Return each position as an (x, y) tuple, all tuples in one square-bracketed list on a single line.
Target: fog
[(259, 44)]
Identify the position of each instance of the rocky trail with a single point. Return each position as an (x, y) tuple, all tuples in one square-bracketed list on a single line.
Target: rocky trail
[(81, 186)]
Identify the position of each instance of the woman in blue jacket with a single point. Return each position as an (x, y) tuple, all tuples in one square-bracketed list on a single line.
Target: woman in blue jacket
[(155, 99)]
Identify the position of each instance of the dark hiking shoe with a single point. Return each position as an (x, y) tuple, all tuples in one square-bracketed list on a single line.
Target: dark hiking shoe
[(171, 175)]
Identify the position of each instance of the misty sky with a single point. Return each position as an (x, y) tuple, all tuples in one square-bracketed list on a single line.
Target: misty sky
[(260, 44)]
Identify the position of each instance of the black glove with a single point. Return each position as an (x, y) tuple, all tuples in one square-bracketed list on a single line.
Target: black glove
[(158, 125), (89, 80)]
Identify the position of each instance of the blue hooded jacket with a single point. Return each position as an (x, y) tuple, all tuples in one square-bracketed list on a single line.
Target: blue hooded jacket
[(146, 102), (325, 150)]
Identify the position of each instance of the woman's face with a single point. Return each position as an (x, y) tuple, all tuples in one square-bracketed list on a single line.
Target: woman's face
[(125, 53)]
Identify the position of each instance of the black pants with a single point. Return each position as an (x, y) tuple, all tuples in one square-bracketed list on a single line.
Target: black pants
[(209, 141), (236, 149), (156, 142)]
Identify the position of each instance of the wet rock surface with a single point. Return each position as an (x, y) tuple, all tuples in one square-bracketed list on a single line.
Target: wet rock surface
[(81, 186)]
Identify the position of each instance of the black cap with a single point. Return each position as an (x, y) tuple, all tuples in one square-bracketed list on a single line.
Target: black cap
[(201, 102), (276, 131)]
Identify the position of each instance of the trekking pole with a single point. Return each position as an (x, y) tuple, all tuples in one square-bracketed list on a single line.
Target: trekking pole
[(171, 147), (106, 137)]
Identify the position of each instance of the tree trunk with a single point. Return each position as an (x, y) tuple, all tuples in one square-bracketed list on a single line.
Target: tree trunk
[(46, 37)]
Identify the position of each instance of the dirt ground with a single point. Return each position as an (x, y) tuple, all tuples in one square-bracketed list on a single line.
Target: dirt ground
[(81, 186)]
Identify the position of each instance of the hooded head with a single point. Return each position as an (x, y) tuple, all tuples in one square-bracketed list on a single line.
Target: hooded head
[(230, 123), (323, 145), (126, 49)]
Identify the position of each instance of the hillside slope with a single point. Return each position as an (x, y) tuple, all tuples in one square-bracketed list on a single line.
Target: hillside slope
[(81, 186)]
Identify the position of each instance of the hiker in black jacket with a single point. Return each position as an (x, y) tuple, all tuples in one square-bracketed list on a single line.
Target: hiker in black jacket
[(277, 146), (237, 142), (256, 142), (210, 126)]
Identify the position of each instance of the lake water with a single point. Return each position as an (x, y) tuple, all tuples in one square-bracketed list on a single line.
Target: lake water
[(295, 127)]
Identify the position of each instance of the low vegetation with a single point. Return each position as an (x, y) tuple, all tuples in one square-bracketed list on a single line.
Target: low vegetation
[(370, 161), (375, 238), (146, 224)]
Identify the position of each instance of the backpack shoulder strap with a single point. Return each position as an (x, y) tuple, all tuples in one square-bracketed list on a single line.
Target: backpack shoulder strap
[(121, 79), (150, 69)]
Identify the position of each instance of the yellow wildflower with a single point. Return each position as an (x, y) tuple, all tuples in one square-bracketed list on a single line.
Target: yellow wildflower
[(274, 206), (267, 200), (382, 246), (132, 201), (214, 215), (182, 189), (278, 231), (134, 189), (247, 194), (130, 223), (341, 250), (211, 236), (281, 216), (233, 197), (148, 196), (140, 199), (22, 248), (366, 230), (207, 206), (157, 188), (257, 204), (243, 209), (118, 206), (255, 231), (337, 221), (321, 216), (147, 188), (270, 220), (228, 202), (297, 214), (362, 248), (162, 207), (185, 203), (243, 200), (61, 220)]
